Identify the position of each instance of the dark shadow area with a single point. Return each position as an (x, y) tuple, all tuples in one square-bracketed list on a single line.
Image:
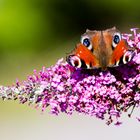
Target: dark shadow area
[(122, 73), (74, 17)]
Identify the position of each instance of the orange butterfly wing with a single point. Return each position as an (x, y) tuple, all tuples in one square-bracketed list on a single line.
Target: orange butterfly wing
[(119, 52), (84, 54)]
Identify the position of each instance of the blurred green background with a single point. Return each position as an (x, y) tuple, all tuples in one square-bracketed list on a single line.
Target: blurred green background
[(36, 33)]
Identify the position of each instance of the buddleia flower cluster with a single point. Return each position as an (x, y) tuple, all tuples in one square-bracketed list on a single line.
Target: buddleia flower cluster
[(65, 89)]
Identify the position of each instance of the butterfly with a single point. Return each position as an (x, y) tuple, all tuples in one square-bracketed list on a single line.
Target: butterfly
[(101, 49)]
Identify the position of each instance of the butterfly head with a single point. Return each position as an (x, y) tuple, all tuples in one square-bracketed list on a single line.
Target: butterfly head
[(100, 49)]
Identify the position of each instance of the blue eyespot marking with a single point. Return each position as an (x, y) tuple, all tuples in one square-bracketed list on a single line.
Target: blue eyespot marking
[(116, 39), (86, 42)]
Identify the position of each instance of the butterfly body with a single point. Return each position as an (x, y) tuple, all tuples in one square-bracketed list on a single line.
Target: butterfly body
[(100, 49)]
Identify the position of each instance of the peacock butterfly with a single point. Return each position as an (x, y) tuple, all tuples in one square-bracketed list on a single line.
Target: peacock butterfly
[(101, 49)]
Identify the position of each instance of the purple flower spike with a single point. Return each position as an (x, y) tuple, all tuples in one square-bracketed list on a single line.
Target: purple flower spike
[(105, 95)]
